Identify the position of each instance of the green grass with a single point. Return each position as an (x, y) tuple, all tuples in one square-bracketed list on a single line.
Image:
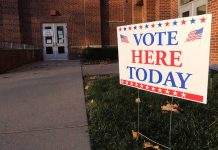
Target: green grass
[(112, 114)]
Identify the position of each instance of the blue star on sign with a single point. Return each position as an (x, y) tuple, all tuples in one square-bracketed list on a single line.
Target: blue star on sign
[(124, 28), (175, 23), (146, 26), (192, 21), (135, 27), (159, 24)]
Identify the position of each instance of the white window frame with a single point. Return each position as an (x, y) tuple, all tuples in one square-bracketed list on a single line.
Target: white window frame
[(191, 7)]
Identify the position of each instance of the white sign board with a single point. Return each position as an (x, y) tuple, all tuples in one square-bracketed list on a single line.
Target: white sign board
[(169, 57)]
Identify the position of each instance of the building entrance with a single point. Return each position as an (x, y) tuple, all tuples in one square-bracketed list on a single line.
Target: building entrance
[(55, 45)]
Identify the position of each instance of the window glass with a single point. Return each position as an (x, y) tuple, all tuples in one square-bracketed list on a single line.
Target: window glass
[(48, 39), (186, 14), (48, 27), (61, 50), (201, 10), (48, 31), (49, 50), (182, 2), (60, 34)]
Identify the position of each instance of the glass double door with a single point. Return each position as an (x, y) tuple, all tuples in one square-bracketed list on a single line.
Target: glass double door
[(55, 45)]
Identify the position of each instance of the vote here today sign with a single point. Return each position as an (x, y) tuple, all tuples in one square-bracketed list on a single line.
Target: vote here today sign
[(169, 57)]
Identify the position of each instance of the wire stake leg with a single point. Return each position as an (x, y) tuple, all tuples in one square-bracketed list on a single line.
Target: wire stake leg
[(170, 131)]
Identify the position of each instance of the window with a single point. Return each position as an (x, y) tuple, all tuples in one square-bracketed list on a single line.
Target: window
[(186, 14), (192, 7), (60, 34), (48, 27), (61, 50), (182, 2), (201, 10), (49, 50)]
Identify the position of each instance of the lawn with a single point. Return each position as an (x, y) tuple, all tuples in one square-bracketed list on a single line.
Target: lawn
[(112, 114)]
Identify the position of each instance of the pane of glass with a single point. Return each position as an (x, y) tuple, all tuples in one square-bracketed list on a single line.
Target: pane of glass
[(47, 27), (61, 50), (60, 34), (48, 40), (48, 32), (49, 50), (185, 14), (201, 10), (182, 2)]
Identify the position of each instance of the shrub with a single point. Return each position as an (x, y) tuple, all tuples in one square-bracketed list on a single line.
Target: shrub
[(100, 54)]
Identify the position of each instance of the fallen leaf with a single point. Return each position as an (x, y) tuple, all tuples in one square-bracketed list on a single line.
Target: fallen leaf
[(135, 134), (92, 104), (138, 100), (157, 147), (170, 107), (147, 144), (86, 87)]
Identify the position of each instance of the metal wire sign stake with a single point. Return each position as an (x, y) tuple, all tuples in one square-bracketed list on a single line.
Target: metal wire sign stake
[(138, 101)]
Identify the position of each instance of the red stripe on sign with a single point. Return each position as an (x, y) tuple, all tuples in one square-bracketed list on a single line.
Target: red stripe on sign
[(198, 98), (168, 92)]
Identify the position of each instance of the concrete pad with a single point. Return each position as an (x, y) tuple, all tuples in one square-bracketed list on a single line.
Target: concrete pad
[(59, 139), (100, 69), (43, 101)]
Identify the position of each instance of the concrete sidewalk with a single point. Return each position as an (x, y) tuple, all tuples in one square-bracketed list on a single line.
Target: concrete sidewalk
[(42, 107), (100, 69)]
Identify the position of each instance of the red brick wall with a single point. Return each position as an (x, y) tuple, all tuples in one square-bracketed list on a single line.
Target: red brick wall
[(114, 13), (10, 21), (1, 23), (22, 20), (150, 10), (174, 9), (213, 9), (137, 16), (93, 22), (83, 21), (34, 14), (162, 9), (10, 59)]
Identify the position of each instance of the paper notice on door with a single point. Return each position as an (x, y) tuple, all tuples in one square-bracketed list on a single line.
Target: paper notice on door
[(61, 36), (48, 41), (61, 41), (48, 32), (60, 32)]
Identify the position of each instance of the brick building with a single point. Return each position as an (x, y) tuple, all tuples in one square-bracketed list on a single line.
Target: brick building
[(63, 27)]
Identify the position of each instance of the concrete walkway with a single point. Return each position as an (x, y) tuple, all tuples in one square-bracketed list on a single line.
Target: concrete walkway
[(100, 69), (42, 107)]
